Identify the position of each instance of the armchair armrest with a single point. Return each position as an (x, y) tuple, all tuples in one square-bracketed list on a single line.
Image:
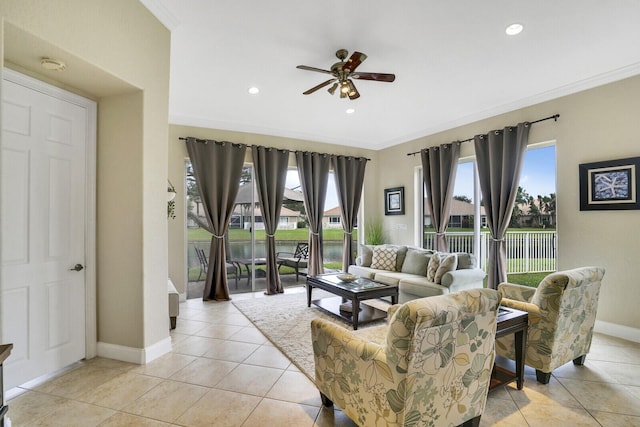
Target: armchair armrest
[(463, 279), (516, 292), (324, 332), (391, 311), (532, 309), (345, 363)]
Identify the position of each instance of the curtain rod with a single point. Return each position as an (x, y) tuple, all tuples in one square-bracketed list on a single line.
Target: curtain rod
[(554, 117), (182, 138)]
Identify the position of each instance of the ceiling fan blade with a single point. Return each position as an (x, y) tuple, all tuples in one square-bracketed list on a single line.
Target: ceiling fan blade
[(378, 77), (352, 63), (319, 70), (320, 86), (353, 91)]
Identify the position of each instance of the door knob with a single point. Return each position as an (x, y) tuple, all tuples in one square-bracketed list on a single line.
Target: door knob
[(78, 267)]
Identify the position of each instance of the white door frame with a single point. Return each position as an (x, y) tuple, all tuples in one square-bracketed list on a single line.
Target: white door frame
[(91, 332)]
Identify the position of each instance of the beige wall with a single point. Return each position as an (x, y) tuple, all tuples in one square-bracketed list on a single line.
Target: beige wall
[(178, 155), (594, 125), (118, 54)]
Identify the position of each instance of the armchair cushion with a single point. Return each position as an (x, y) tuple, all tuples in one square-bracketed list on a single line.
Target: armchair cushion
[(434, 367)]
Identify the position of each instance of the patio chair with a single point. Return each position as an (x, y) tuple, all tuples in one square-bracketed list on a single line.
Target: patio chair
[(562, 313), (434, 368), (204, 266), (295, 260)]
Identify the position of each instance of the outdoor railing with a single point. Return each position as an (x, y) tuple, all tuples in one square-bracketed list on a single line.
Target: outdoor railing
[(527, 251)]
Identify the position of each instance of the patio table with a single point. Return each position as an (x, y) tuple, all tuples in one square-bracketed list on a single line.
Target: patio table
[(247, 262)]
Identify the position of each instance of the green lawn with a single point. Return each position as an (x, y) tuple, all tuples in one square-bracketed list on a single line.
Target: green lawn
[(527, 279), (302, 234)]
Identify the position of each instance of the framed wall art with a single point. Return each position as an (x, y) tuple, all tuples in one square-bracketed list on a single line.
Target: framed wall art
[(609, 185), (394, 201)]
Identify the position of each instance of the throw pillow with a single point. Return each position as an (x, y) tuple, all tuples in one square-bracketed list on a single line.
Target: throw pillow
[(401, 252), (416, 261), (366, 252), (448, 262), (384, 258), (432, 267), (466, 260)]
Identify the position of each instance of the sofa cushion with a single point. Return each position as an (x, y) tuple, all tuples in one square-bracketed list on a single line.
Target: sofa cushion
[(392, 277), (416, 261), (448, 262), (366, 253), (362, 271), (384, 258)]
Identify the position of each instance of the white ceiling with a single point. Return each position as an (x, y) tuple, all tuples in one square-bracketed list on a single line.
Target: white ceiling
[(452, 60)]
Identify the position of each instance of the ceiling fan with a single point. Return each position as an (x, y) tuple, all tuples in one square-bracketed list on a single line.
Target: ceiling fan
[(344, 72)]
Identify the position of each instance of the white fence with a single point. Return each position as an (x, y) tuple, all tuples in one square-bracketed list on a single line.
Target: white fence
[(527, 251)]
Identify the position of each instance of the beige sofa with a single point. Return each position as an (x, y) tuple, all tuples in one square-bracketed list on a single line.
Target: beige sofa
[(417, 272)]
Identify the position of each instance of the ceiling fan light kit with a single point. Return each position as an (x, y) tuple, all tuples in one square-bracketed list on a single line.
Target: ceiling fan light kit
[(343, 72)]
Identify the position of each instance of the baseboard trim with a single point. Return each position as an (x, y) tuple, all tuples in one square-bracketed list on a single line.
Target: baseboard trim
[(139, 356), (619, 331)]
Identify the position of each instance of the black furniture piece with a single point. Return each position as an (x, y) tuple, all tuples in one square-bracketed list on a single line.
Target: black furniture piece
[(5, 351), (511, 321), (204, 265), (296, 260), (356, 291), (247, 263)]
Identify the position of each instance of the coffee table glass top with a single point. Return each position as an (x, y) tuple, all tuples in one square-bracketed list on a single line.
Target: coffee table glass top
[(360, 284)]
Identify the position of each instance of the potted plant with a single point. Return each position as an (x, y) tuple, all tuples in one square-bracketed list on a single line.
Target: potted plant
[(373, 232)]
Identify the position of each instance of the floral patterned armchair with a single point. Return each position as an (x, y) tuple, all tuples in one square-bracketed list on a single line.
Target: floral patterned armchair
[(434, 368), (562, 312)]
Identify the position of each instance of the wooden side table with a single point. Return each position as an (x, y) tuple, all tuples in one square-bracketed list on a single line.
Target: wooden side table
[(5, 351), (511, 321)]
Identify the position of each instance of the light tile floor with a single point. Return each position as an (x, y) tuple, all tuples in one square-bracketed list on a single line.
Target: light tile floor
[(223, 372)]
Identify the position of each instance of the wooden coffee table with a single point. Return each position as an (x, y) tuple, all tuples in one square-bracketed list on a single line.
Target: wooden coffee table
[(356, 291), (511, 321)]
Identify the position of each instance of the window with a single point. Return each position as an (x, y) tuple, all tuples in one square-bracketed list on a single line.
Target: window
[(531, 238)]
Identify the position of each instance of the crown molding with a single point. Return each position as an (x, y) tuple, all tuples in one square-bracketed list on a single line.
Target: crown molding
[(163, 14)]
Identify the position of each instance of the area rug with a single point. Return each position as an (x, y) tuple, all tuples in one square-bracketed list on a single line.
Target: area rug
[(286, 321)]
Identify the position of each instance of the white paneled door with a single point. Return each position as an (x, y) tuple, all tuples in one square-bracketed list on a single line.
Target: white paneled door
[(42, 208)]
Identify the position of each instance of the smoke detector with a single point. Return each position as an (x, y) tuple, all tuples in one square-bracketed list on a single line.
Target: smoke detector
[(52, 64)]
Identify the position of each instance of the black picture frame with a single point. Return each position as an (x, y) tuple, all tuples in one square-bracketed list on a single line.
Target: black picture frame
[(610, 185), (394, 201)]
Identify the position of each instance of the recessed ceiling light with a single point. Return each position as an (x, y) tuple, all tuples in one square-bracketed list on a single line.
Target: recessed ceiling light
[(52, 64), (350, 111), (253, 90), (514, 29)]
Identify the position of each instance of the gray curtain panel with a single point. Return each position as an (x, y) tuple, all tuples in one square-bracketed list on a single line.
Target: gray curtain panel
[(313, 169), (349, 177), (217, 167), (500, 155), (270, 167), (439, 165)]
